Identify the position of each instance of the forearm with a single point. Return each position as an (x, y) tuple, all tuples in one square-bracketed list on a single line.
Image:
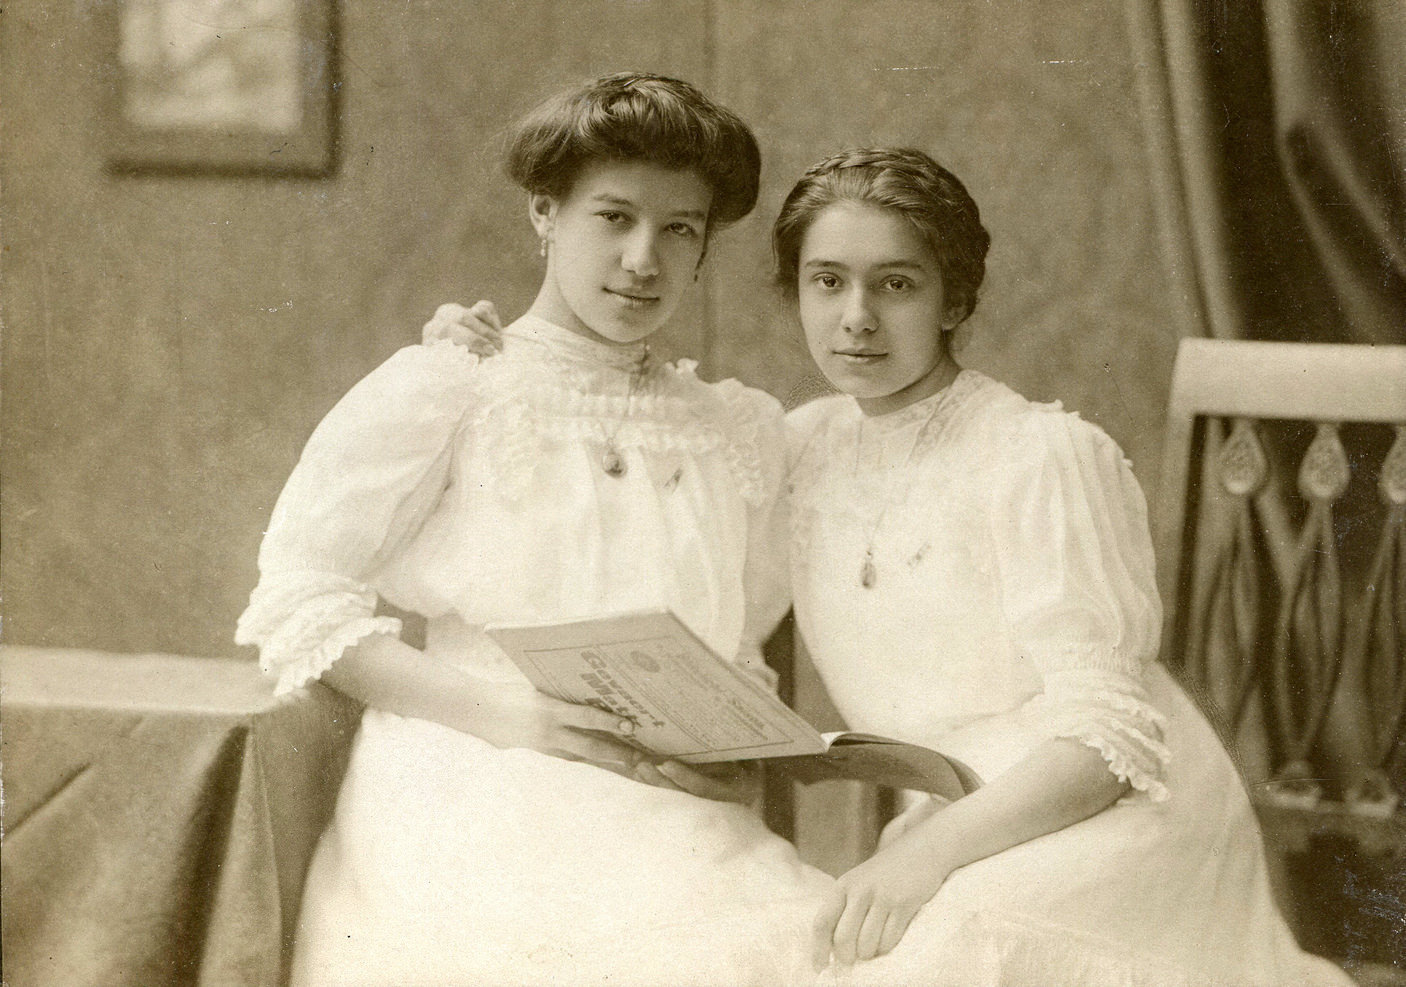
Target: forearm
[(386, 673), (1061, 782)]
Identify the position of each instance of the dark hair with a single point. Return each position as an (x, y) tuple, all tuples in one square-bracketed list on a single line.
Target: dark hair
[(631, 116), (932, 198)]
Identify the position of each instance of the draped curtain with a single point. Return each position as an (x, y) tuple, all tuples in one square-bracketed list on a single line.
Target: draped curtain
[(1279, 133)]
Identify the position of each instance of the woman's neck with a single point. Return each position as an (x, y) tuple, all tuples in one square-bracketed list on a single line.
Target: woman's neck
[(551, 306), (940, 377), (562, 317), (572, 347)]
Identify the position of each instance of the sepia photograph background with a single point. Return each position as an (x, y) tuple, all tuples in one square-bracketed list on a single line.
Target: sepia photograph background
[(218, 216)]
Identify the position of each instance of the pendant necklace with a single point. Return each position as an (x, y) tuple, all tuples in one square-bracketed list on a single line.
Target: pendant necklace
[(611, 460), (868, 572)]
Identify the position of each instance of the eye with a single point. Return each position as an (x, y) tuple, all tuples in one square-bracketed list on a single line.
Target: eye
[(897, 284), (612, 216), (826, 281), (683, 230)]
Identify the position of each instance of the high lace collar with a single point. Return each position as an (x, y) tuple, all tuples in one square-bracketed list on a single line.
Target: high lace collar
[(892, 440), (860, 465), (575, 349), (933, 408)]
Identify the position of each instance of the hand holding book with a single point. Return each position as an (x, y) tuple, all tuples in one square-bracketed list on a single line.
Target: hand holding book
[(691, 705)]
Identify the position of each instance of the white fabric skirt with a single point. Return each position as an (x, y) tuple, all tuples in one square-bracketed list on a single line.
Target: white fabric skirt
[(1144, 894), (452, 863)]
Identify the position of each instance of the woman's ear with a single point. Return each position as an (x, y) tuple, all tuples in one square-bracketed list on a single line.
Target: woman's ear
[(952, 318), (542, 211)]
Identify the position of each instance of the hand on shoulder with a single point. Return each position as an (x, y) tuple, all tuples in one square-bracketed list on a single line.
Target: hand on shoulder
[(477, 328)]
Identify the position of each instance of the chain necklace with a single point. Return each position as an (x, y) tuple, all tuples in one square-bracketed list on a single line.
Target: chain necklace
[(611, 460), (868, 572)]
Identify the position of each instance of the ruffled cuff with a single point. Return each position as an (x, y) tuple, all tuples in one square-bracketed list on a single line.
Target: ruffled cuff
[(303, 622), (1110, 712)]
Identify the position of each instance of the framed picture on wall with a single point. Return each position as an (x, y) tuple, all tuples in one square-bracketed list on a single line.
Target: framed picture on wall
[(222, 86)]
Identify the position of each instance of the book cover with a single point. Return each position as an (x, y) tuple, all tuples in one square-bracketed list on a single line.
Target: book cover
[(691, 705)]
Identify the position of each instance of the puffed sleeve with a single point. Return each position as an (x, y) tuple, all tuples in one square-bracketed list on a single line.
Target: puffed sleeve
[(767, 574), (1079, 591), (370, 475)]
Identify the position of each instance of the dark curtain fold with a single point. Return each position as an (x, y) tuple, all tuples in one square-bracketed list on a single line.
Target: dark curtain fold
[(1277, 131), (1283, 123)]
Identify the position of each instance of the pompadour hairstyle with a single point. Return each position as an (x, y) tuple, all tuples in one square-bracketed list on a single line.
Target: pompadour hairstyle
[(632, 116)]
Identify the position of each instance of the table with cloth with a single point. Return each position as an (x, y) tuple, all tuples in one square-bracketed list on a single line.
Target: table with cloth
[(159, 816)]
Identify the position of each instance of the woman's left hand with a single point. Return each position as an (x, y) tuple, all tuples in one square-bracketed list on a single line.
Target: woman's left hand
[(877, 900), (725, 781), (477, 327)]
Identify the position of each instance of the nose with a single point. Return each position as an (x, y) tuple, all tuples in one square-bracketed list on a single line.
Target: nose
[(858, 315), (641, 254)]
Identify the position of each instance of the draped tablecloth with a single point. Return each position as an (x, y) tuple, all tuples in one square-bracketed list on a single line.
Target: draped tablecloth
[(159, 816)]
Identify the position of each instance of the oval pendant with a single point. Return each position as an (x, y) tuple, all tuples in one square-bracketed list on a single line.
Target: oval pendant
[(612, 463), (867, 574)]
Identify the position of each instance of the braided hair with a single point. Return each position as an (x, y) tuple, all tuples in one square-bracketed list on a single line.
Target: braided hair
[(904, 179)]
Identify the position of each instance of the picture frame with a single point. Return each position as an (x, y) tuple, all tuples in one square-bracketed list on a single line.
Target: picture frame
[(221, 86)]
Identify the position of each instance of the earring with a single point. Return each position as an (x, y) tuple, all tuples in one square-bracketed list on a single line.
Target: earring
[(543, 250)]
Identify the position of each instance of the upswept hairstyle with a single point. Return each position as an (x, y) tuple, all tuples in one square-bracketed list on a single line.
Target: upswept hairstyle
[(632, 116), (932, 198)]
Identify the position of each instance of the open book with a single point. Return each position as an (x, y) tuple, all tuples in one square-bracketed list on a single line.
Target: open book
[(689, 704)]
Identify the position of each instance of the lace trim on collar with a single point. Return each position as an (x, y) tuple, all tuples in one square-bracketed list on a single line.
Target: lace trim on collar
[(935, 406), (671, 410), (820, 483)]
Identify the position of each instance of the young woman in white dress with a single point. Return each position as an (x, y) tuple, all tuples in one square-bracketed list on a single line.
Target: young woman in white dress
[(973, 571), (485, 834)]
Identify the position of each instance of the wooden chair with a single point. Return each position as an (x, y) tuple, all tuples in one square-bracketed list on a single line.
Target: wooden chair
[(1281, 537)]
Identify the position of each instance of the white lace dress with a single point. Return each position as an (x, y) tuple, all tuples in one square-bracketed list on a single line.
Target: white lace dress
[(474, 492), (1012, 601)]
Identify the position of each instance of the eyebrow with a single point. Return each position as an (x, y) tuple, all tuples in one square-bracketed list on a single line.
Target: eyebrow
[(615, 200), (889, 265)]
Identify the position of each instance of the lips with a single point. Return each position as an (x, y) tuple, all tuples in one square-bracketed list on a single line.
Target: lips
[(633, 297), (860, 353)]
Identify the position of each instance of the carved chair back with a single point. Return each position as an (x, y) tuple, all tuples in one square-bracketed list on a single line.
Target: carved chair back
[(1284, 586), (1281, 545)]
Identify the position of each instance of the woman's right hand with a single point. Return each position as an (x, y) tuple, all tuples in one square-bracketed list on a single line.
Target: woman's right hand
[(477, 327), (549, 726)]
